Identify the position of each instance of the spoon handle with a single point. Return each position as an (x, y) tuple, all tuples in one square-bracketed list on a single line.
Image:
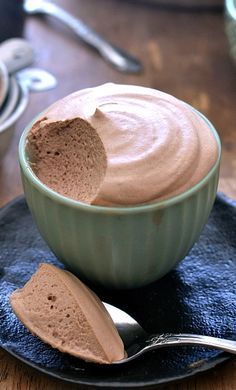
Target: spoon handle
[(117, 57), (165, 340)]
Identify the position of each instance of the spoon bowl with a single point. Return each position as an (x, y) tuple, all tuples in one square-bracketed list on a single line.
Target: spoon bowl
[(137, 341)]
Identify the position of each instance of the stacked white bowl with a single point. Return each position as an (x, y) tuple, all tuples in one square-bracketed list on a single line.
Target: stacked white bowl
[(15, 84), (15, 54)]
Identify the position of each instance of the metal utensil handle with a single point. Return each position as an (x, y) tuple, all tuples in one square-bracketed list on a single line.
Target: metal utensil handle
[(190, 339), (114, 55)]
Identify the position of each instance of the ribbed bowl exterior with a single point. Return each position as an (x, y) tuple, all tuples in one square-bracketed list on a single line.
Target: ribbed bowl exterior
[(120, 249)]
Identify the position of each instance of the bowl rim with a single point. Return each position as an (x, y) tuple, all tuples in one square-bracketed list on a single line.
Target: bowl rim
[(120, 210)]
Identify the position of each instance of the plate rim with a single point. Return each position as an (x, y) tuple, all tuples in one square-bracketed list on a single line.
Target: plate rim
[(216, 360)]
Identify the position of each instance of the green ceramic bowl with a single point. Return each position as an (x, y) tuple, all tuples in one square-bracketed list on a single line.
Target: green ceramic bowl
[(122, 247)]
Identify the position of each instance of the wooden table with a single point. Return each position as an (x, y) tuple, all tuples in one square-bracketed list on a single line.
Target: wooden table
[(183, 53)]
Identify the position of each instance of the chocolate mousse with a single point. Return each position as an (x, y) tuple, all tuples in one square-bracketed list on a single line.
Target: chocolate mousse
[(121, 145), (69, 157), (58, 308)]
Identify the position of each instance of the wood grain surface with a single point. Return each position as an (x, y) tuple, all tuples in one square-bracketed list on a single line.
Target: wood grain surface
[(183, 53)]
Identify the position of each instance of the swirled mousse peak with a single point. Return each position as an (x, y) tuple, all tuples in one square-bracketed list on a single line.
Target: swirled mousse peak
[(120, 145)]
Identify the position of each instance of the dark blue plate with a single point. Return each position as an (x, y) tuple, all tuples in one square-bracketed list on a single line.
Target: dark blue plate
[(199, 296)]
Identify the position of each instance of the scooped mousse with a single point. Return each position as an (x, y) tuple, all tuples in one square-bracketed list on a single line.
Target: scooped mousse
[(121, 145), (58, 308)]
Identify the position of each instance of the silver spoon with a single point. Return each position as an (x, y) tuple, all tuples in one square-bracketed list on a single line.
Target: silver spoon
[(115, 56), (137, 341)]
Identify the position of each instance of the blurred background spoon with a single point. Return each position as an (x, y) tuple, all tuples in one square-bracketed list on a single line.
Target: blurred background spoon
[(115, 56)]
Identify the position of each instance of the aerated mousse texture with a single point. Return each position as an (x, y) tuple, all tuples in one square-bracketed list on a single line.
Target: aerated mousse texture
[(58, 308), (68, 156)]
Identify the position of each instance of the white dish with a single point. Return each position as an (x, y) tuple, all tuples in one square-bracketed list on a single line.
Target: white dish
[(11, 100), (4, 82), (8, 126)]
